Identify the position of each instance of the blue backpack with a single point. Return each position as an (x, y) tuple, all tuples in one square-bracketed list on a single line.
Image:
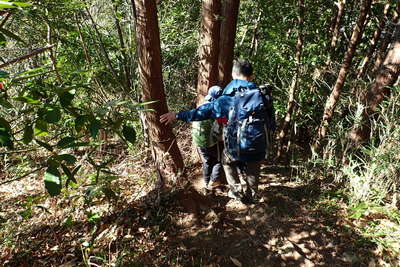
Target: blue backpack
[(251, 122)]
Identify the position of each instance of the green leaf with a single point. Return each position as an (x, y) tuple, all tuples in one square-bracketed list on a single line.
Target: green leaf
[(5, 4), (53, 115), (4, 102), (66, 99), (69, 174), (27, 99), (52, 181), (2, 39), (41, 128), (11, 35), (21, 4), (5, 134), (94, 128), (4, 74), (80, 122), (63, 143), (70, 159), (28, 134), (129, 133), (45, 145)]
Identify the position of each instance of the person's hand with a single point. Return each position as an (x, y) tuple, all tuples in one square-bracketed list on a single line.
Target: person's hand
[(168, 117)]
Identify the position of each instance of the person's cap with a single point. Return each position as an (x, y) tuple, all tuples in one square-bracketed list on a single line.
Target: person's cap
[(213, 93)]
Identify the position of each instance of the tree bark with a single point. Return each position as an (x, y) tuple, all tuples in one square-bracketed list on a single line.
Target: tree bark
[(337, 89), (209, 48), (230, 13), (336, 33), (295, 83), (374, 42), (165, 150), (387, 76), (380, 55)]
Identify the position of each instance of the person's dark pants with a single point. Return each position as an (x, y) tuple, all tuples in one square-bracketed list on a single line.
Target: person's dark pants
[(211, 157)]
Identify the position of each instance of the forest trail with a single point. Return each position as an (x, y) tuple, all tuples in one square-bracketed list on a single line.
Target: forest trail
[(182, 227), (282, 229)]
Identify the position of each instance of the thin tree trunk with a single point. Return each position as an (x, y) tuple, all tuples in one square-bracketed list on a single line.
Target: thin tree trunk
[(230, 13), (380, 55), (209, 49), (52, 53), (379, 90), (127, 78), (31, 54), (337, 89), (103, 49), (166, 153), (254, 41), (295, 82), (336, 29), (374, 42)]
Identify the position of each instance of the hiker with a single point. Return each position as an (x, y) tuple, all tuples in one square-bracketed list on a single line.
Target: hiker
[(249, 116), (207, 136)]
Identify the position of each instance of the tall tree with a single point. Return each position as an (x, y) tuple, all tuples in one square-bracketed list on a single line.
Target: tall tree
[(295, 81), (386, 76), (209, 47), (336, 28), (381, 53), (374, 42), (337, 89), (164, 147), (230, 13)]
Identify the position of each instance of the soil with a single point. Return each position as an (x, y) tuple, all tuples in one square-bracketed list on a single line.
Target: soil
[(184, 227)]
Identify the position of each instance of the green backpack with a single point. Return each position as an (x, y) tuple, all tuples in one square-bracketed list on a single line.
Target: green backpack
[(206, 133)]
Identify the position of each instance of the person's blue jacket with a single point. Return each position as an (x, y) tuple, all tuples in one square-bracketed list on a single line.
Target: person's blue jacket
[(218, 108)]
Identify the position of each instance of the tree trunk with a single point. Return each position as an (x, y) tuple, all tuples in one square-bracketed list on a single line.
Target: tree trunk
[(166, 153), (295, 82), (387, 76), (337, 89), (209, 48), (374, 42), (336, 33), (230, 13), (380, 55)]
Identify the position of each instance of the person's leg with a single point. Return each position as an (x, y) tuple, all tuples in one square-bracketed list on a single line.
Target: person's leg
[(207, 164), (216, 164), (252, 173), (232, 177)]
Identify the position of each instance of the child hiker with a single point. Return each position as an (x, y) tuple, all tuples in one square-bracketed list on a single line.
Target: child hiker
[(207, 136)]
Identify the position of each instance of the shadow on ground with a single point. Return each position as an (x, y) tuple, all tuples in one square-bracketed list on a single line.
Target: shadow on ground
[(185, 228)]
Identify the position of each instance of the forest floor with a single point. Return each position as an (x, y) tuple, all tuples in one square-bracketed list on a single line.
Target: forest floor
[(292, 224)]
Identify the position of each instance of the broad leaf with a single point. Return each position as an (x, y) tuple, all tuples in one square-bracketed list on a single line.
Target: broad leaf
[(66, 99), (5, 134), (80, 122), (2, 39), (41, 128), (70, 159), (28, 134), (69, 174), (129, 133), (52, 181), (53, 115), (11, 35), (63, 143), (94, 128), (45, 145)]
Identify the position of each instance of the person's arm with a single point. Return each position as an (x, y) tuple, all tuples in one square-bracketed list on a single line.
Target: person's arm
[(203, 112)]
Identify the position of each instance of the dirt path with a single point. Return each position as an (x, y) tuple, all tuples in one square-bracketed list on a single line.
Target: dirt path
[(182, 227), (282, 229)]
